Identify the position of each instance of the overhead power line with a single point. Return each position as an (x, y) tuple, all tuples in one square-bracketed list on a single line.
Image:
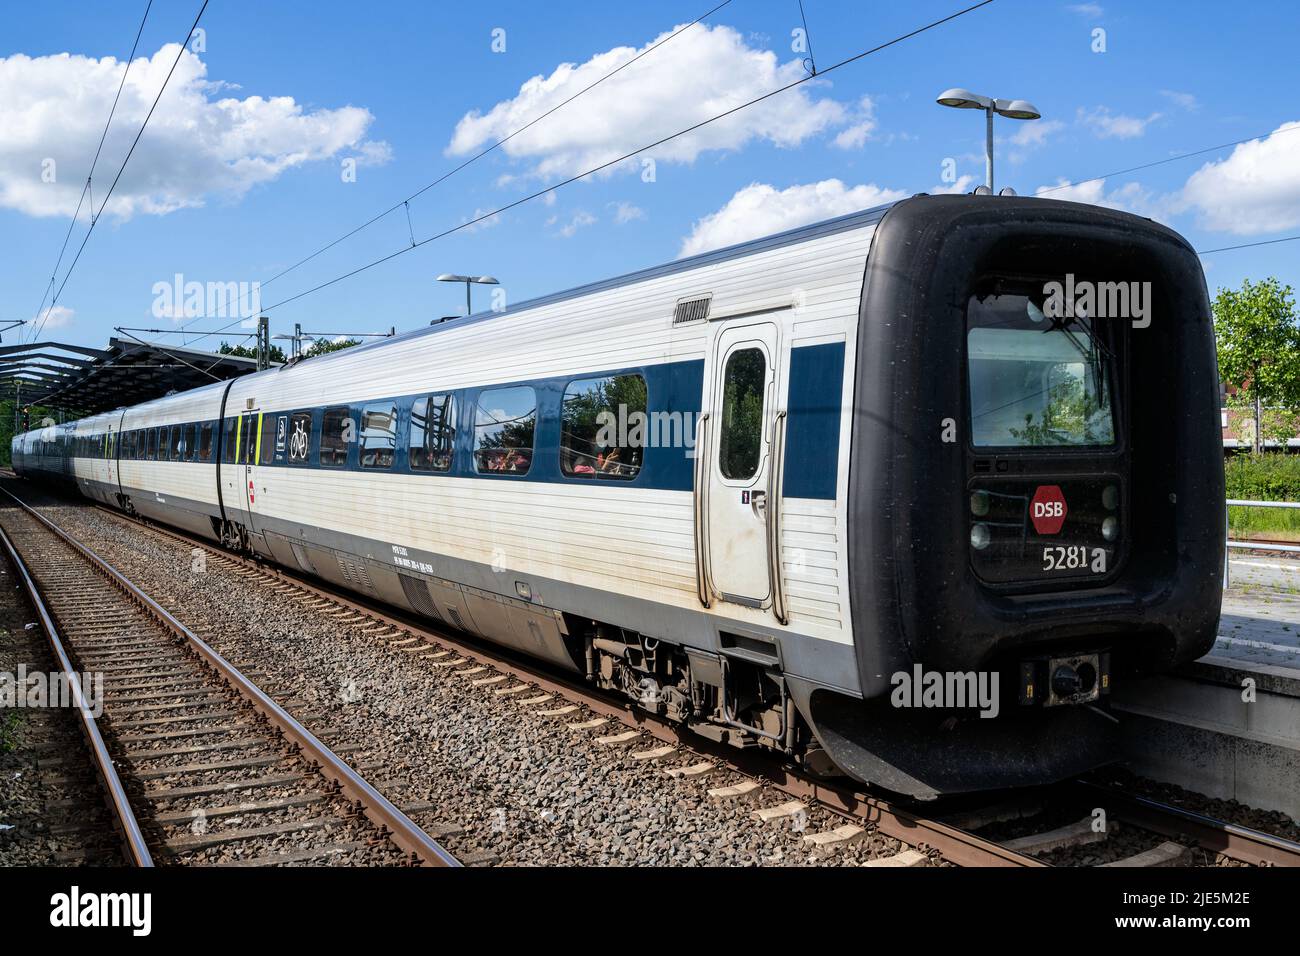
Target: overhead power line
[(626, 156), (477, 156), (89, 176), (1248, 245), (95, 216)]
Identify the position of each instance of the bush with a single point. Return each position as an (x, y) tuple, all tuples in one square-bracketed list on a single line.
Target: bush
[(1268, 477), (1263, 477)]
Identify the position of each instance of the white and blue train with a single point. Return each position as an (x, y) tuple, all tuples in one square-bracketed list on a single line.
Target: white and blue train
[(817, 492)]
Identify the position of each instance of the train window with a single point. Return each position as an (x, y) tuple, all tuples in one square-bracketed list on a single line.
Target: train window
[(228, 440), (205, 441), (602, 427), (269, 441), (252, 437), (191, 442), (378, 435), (433, 432), (504, 422), (740, 442), (299, 438), (152, 453), (141, 443), (1035, 382), (175, 448), (336, 432)]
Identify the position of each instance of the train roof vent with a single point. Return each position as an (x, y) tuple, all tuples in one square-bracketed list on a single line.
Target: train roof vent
[(692, 310)]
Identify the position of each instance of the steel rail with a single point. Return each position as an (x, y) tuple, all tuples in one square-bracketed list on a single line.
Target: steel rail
[(374, 805), (1236, 842), (956, 845), (133, 841)]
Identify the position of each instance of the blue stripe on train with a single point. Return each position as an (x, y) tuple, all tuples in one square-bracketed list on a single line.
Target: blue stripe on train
[(674, 390), (812, 444)]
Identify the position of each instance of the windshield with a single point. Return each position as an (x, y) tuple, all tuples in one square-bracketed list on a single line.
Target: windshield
[(1035, 382)]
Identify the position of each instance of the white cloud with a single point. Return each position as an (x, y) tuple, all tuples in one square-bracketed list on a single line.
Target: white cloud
[(479, 222), (52, 108), (625, 212), (703, 72), (1255, 190), (579, 220), (760, 210), (1182, 100), (1035, 132), (374, 153), (862, 125), (54, 318), (1108, 125), (1029, 136), (1091, 10), (1131, 197), (965, 182)]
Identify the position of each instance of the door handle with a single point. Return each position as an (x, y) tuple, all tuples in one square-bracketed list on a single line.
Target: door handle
[(758, 501)]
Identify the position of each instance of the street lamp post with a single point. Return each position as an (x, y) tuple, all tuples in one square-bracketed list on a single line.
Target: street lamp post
[(1011, 109), (468, 280)]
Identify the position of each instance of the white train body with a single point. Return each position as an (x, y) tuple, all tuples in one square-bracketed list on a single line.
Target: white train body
[(701, 564)]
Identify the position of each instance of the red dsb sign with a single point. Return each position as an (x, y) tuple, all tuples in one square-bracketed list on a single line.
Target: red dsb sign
[(1047, 509)]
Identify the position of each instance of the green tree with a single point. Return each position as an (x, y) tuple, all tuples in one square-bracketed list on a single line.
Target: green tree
[(246, 351), (324, 346), (35, 417), (1257, 333)]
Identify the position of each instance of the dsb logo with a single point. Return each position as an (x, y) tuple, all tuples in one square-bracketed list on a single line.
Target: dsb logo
[(1047, 509)]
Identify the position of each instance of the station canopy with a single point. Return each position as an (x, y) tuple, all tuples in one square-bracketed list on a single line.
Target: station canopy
[(85, 381)]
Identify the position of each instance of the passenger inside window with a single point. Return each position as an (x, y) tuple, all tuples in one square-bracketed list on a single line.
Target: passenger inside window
[(433, 432), (603, 425), (205, 442), (378, 435), (504, 422), (337, 431)]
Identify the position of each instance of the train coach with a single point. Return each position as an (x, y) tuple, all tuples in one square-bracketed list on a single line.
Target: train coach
[(871, 493)]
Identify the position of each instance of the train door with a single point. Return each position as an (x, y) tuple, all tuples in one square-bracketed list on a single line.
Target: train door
[(738, 463), (251, 432), (115, 465)]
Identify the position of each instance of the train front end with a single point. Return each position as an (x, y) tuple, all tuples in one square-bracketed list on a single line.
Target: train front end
[(1036, 489)]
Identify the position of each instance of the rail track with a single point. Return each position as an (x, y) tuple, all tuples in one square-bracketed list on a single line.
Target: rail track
[(176, 725), (1179, 835)]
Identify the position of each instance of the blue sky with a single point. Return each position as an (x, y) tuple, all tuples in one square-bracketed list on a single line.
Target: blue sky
[(241, 171)]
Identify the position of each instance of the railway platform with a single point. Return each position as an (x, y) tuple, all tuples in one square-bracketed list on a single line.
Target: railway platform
[(1228, 725)]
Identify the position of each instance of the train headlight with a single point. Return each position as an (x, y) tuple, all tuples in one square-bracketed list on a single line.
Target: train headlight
[(979, 503), (979, 537), (1110, 498), (1110, 528)]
